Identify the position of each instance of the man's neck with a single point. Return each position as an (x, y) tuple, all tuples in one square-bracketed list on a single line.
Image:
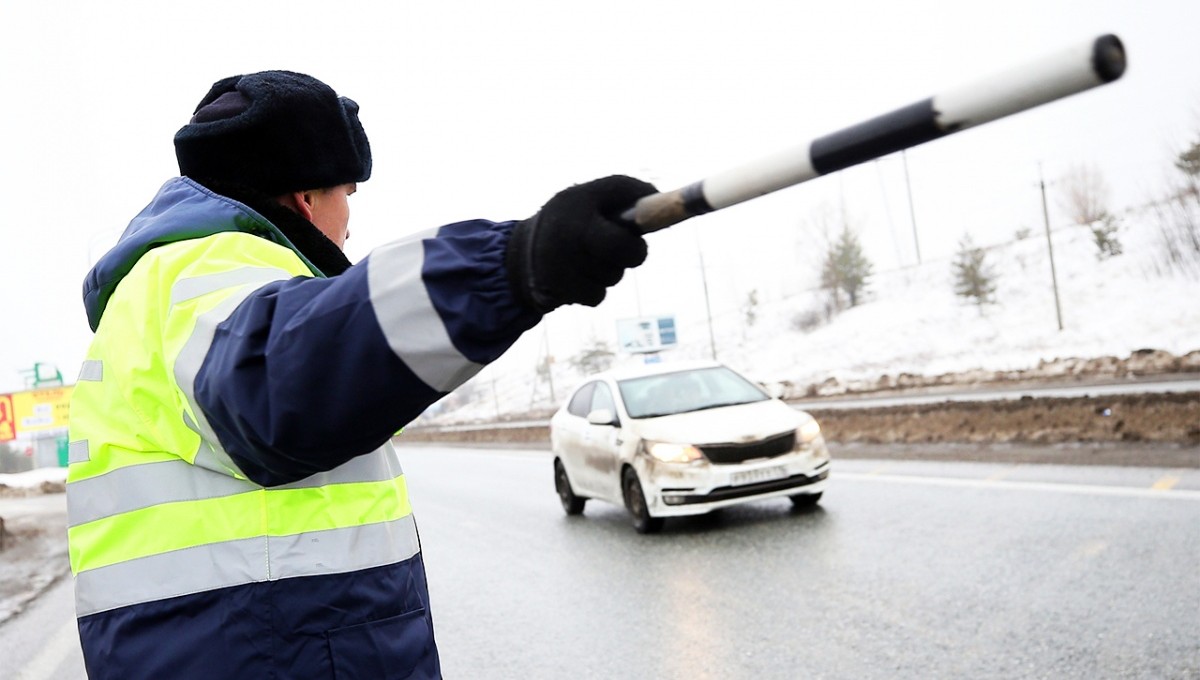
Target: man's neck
[(303, 234)]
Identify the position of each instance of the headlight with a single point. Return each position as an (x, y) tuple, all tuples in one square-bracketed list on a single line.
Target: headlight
[(672, 453), (809, 431)]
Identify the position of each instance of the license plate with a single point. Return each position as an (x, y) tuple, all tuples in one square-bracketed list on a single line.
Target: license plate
[(758, 475)]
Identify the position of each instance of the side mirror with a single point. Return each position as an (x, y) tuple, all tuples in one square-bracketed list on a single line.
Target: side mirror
[(603, 416)]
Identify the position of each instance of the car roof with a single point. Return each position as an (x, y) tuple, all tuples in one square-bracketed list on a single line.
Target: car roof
[(642, 370)]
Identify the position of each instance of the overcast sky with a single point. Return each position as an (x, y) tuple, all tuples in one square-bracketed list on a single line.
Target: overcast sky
[(485, 109)]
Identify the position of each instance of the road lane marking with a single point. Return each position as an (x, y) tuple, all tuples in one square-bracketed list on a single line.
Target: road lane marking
[(43, 665), (1087, 489), (1166, 483), (1000, 474)]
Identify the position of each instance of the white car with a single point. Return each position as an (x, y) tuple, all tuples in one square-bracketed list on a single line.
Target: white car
[(666, 440)]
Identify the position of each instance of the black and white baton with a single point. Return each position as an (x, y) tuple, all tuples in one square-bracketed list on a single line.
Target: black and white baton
[(1053, 77)]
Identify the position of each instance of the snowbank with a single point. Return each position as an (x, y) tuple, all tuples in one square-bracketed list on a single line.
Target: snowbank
[(48, 479)]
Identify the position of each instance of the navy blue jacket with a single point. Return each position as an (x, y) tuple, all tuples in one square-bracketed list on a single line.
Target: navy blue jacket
[(304, 375)]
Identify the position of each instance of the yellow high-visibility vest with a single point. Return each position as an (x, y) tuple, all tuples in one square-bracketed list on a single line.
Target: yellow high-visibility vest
[(156, 508)]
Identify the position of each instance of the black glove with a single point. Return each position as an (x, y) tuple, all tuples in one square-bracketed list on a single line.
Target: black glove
[(576, 246)]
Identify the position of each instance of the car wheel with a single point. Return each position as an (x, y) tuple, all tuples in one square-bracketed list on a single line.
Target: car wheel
[(572, 504), (635, 501), (806, 500)]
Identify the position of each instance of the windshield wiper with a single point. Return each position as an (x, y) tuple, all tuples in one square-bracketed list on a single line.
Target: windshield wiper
[(721, 404), (657, 414)]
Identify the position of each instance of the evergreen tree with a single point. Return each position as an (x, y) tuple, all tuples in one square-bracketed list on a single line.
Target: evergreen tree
[(846, 268), (1104, 235), (973, 277), (1189, 161)]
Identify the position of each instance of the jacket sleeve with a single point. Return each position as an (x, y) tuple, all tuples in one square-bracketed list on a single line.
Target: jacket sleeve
[(307, 373)]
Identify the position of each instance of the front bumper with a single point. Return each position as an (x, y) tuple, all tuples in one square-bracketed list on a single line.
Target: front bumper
[(673, 490), (727, 493)]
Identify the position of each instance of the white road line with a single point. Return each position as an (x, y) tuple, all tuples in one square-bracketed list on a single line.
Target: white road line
[(1136, 492), (52, 654)]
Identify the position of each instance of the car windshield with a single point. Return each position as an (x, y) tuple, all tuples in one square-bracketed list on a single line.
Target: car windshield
[(685, 391)]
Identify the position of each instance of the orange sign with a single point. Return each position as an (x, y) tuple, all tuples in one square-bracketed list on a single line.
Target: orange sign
[(8, 419)]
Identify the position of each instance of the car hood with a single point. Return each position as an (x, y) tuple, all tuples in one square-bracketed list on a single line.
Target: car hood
[(728, 424)]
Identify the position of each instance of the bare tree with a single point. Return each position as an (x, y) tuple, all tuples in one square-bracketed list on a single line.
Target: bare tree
[(815, 231), (808, 320), (593, 359), (750, 308), (1084, 194), (1085, 198), (1179, 216)]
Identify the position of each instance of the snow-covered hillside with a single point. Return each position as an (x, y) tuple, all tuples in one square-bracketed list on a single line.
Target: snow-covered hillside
[(911, 321)]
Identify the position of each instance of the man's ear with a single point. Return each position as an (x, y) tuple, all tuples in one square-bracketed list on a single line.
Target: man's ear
[(300, 202)]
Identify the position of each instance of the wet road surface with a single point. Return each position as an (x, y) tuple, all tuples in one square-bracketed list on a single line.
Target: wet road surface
[(908, 569)]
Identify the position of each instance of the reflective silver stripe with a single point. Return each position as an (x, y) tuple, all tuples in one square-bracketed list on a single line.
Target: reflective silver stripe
[(142, 486), (234, 563), (411, 324), (92, 370), (77, 452), (377, 466), (190, 358), (207, 457), (194, 287)]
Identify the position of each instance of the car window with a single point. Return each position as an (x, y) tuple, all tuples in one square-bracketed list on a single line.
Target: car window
[(684, 391), (581, 403), (602, 398)]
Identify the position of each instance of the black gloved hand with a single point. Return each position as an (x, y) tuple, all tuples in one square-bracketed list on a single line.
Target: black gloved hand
[(576, 246)]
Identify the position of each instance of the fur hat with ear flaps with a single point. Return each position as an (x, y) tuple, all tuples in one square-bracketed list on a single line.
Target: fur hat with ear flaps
[(276, 132)]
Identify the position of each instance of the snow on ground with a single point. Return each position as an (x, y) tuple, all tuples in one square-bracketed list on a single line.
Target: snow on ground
[(33, 479), (911, 321)]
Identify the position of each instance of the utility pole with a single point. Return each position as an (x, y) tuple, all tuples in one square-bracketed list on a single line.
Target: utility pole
[(1050, 246), (712, 343), (637, 292), (549, 362), (887, 209), (912, 213)]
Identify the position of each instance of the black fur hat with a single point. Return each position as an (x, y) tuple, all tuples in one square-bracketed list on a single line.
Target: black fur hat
[(274, 131)]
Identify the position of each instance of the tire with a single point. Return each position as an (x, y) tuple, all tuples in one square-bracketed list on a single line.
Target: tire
[(806, 500), (635, 502), (571, 504)]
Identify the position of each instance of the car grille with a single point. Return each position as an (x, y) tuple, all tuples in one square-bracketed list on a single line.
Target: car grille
[(724, 454)]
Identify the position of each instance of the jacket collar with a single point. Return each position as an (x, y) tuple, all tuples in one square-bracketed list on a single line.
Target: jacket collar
[(184, 209)]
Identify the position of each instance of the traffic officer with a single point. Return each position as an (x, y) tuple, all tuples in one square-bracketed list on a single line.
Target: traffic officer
[(236, 509)]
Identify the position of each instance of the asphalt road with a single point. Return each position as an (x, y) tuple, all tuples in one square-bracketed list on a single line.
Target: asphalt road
[(909, 569)]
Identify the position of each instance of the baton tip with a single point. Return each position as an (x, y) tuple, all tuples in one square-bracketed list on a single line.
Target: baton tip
[(1108, 58)]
